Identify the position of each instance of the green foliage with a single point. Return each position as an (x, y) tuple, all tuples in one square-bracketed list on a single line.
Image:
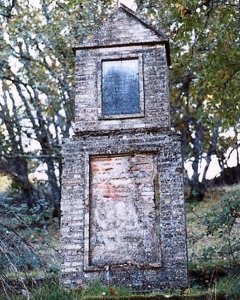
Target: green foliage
[(48, 291), (35, 217), (37, 86), (224, 288), (204, 79), (37, 80), (226, 216), (222, 223), (25, 250), (229, 286), (97, 289), (213, 227), (215, 279), (213, 241)]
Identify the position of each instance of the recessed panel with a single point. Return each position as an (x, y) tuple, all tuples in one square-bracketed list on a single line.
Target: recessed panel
[(124, 210), (120, 87)]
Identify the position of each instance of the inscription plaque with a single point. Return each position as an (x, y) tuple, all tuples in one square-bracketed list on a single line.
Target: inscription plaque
[(123, 213), (120, 87)]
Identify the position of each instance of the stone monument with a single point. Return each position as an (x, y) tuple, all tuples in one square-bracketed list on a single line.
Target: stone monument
[(123, 218)]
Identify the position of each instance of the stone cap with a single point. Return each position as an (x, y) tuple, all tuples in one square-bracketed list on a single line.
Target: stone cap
[(124, 27)]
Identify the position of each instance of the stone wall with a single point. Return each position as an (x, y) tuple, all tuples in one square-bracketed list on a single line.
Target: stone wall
[(123, 218), (154, 90), (165, 206), (124, 26)]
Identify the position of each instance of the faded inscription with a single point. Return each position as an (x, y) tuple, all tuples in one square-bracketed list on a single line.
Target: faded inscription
[(123, 215), (120, 87)]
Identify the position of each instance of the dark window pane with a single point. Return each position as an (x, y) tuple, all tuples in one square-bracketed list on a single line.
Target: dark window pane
[(120, 87)]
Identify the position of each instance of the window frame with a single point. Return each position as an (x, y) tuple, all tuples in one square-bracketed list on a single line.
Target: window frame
[(141, 114)]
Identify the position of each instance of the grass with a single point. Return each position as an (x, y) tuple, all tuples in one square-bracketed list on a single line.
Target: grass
[(202, 246), (212, 276), (96, 289), (226, 288), (51, 291), (229, 285)]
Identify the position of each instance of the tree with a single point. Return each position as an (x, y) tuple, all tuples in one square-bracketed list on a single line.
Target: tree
[(37, 78), (37, 88), (204, 79)]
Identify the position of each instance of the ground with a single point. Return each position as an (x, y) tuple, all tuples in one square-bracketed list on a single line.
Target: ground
[(213, 247)]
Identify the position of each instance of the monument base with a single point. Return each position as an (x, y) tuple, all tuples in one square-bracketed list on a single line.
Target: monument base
[(123, 219)]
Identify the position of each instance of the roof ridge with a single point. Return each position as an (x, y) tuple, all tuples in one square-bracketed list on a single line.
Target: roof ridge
[(143, 20), (93, 41)]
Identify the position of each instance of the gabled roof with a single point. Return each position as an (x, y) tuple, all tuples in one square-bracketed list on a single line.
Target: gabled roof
[(125, 27), (144, 22)]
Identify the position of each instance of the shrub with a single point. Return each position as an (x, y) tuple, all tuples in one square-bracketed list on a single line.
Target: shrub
[(222, 220)]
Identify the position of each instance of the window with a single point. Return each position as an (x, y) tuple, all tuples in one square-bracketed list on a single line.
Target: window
[(120, 87)]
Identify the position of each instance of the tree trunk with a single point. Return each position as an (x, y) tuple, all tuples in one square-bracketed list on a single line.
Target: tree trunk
[(55, 189), (18, 170)]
